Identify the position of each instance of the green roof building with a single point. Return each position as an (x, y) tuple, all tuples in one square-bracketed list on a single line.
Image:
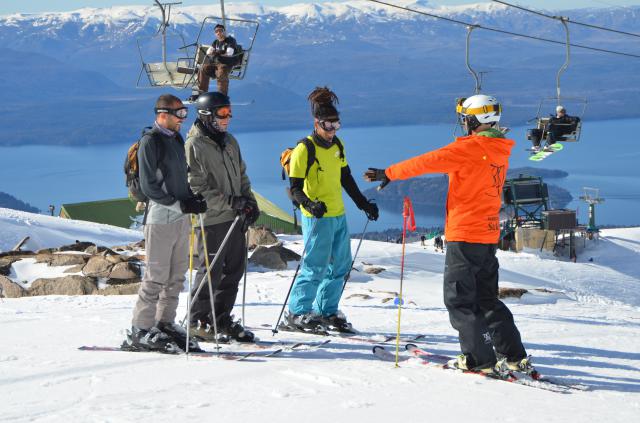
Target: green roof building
[(122, 212)]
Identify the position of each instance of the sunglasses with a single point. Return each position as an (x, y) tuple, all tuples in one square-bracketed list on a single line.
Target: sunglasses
[(223, 117), (180, 112), (329, 125), (218, 30)]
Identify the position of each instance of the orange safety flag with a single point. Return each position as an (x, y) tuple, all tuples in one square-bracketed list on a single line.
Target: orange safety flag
[(407, 214)]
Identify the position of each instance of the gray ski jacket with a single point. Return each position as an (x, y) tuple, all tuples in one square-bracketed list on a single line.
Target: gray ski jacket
[(217, 173)]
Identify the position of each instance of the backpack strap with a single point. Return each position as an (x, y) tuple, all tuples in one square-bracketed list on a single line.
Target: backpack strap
[(311, 153)]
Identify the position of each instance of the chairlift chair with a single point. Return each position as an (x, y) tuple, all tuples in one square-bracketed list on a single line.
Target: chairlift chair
[(240, 58), (162, 70), (549, 130)]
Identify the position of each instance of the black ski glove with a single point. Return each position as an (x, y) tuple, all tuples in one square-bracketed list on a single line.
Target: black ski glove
[(252, 214), (371, 210), (374, 174), (195, 205), (316, 208), (238, 203)]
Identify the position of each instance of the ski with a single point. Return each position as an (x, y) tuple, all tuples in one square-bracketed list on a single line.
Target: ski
[(534, 379), (356, 337), (284, 345), (539, 155), (225, 355)]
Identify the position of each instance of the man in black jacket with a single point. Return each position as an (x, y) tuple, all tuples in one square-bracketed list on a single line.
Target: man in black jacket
[(222, 56), (163, 179)]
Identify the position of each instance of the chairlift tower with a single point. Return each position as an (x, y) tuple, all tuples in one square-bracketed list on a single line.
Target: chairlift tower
[(591, 197)]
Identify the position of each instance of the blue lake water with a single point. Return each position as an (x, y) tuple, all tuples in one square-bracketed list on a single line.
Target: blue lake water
[(606, 157)]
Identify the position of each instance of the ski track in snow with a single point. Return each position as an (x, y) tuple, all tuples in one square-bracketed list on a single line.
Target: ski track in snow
[(587, 332)]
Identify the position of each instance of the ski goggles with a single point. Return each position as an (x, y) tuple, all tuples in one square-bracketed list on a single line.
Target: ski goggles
[(223, 113), (329, 125), (180, 112)]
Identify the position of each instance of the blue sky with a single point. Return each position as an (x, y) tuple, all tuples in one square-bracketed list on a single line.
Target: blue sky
[(34, 6)]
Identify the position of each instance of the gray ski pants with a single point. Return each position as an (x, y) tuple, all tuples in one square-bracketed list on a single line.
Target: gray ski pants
[(167, 259)]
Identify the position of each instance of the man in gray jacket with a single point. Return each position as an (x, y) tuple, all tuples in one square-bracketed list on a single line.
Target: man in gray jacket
[(218, 173), (163, 179)]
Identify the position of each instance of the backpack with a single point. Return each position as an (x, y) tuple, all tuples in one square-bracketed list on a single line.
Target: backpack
[(285, 160), (132, 169)]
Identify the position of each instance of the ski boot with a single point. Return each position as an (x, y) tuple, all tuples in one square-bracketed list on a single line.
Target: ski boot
[(203, 332), (152, 339), (338, 322), (234, 331), (307, 323), (179, 335), (522, 366), (460, 362)]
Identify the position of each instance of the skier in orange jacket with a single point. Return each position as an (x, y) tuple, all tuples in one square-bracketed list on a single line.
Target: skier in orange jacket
[(477, 166)]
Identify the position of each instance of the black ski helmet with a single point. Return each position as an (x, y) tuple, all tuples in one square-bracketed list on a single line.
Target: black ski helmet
[(208, 103)]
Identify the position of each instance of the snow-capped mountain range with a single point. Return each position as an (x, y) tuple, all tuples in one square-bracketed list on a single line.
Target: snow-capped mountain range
[(371, 54)]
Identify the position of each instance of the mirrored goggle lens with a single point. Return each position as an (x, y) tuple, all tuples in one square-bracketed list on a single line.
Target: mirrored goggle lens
[(181, 112), (330, 125), (223, 113)]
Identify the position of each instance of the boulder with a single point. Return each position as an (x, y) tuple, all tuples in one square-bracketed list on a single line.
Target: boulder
[(121, 289), (10, 289), (61, 259), (122, 281), (373, 270), (66, 285), (511, 292), (268, 257), (116, 258), (95, 249), (97, 266), (261, 236), (78, 246), (125, 270), (288, 255), (75, 269)]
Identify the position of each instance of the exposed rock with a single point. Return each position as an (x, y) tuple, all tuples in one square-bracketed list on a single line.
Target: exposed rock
[(66, 285), (116, 258), (61, 259), (269, 257), (122, 281), (124, 270), (75, 269), (46, 251), (363, 296), (98, 267), (511, 292), (121, 289), (78, 246), (95, 249), (18, 254), (261, 236), (287, 254), (373, 270), (134, 246), (10, 289)]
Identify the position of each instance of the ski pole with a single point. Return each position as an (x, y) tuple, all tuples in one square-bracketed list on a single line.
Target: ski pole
[(191, 242), (304, 249), (408, 221), (346, 278), (244, 282), (206, 260)]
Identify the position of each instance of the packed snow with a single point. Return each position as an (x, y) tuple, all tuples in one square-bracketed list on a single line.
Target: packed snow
[(580, 322)]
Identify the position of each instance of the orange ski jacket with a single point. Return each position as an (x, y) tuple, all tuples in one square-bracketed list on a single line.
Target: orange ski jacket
[(477, 167)]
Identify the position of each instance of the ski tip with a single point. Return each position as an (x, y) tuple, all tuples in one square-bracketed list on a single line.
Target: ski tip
[(377, 348), (410, 347)]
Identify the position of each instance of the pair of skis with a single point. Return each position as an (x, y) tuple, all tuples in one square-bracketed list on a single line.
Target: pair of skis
[(534, 380), (261, 350)]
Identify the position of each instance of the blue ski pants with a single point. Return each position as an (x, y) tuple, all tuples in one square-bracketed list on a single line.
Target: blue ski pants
[(326, 263)]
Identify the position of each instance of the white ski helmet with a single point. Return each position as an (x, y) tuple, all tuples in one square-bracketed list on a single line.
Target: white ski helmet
[(479, 109)]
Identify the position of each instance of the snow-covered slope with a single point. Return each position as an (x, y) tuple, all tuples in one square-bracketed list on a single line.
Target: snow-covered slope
[(47, 231), (587, 332)]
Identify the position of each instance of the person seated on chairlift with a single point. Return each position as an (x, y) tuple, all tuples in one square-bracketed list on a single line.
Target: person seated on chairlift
[(560, 125), (222, 56)]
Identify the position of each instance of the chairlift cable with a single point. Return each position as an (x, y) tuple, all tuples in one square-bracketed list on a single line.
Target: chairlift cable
[(502, 31), (602, 28)]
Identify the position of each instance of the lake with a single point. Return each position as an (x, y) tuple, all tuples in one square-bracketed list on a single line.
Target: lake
[(607, 157)]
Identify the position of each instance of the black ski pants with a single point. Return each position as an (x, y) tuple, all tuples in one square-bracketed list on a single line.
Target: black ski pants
[(225, 275), (470, 292)]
